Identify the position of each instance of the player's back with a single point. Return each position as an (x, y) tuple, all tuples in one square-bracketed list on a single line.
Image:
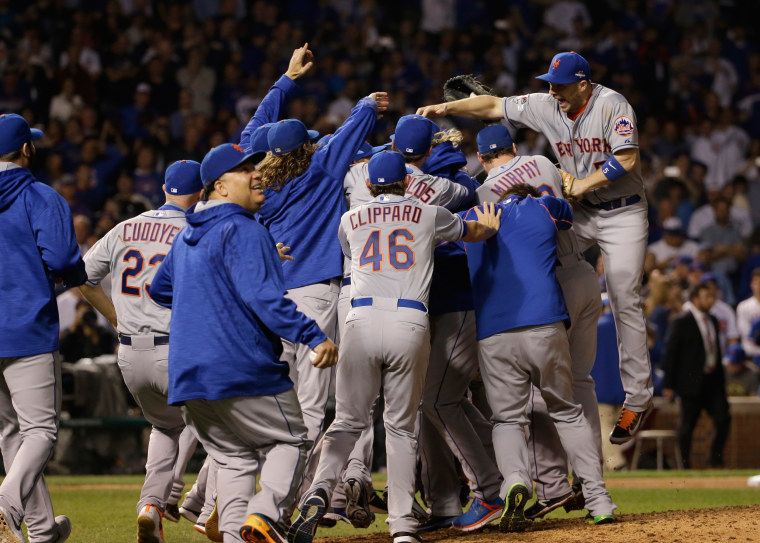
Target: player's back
[(132, 251), (391, 240)]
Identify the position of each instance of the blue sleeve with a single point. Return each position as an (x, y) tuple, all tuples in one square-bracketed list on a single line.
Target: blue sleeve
[(160, 290), (54, 233), (464, 179), (559, 210), (337, 155), (256, 272), (269, 109)]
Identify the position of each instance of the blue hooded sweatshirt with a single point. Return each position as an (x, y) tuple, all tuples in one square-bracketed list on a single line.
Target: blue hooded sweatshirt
[(37, 245), (223, 280), (306, 212)]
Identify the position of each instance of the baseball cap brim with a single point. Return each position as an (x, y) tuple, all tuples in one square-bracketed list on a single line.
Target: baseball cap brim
[(557, 80), (313, 134), (36, 133)]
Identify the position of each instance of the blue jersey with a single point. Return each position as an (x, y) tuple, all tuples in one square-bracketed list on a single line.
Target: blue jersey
[(305, 213), (512, 273)]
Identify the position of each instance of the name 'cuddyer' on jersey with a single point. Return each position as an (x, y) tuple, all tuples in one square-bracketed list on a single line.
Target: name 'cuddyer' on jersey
[(160, 232)]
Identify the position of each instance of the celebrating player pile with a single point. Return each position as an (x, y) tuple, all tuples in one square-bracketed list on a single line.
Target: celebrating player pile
[(250, 350)]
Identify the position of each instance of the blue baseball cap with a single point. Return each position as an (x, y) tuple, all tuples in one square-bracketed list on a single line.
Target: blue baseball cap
[(414, 134), (735, 354), (183, 177), (567, 68), (287, 135), (366, 150), (709, 277), (494, 137), (15, 132), (387, 167), (259, 143), (222, 159)]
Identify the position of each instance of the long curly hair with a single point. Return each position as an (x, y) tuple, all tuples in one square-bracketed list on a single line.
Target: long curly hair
[(452, 134), (277, 170)]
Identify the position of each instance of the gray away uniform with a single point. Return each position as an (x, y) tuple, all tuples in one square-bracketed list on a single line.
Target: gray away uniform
[(582, 296), (132, 252), (614, 216), (390, 241)]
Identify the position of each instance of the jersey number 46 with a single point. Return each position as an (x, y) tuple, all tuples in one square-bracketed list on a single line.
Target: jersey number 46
[(400, 256)]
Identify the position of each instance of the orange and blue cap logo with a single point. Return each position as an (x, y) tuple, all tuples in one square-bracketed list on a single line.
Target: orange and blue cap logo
[(237, 148), (555, 64)]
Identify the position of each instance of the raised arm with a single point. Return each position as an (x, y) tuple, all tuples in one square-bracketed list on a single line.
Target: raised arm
[(477, 107)]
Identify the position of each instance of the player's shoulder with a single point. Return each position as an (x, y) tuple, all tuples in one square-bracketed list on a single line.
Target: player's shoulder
[(609, 96), (533, 98), (44, 193), (540, 160)]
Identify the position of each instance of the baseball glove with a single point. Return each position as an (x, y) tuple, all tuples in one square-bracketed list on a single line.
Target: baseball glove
[(567, 185), (464, 86)]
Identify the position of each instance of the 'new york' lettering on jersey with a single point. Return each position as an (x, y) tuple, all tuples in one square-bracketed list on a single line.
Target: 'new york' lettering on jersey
[(606, 126)]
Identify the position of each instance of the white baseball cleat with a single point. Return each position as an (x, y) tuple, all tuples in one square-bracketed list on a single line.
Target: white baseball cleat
[(149, 526), (62, 528)]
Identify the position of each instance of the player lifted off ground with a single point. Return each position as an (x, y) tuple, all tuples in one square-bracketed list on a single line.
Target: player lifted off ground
[(592, 130), (132, 252), (521, 321), (390, 241), (225, 347), (580, 288), (37, 244)]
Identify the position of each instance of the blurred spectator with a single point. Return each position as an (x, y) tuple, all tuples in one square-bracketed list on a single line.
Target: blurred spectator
[(704, 216), (742, 377), (673, 244), (747, 314), (728, 333), (199, 80), (662, 305), (724, 240), (67, 103), (82, 231), (128, 203), (694, 370), (85, 338), (148, 181)]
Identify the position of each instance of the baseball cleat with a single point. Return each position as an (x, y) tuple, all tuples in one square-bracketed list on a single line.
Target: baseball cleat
[(578, 501), (544, 507), (310, 513), (171, 512), (62, 528), (377, 503), (628, 423), (436, 523), (189, 514), (149, 526), (212, 526), (406, 537), (9, 532), (513, 519), (602, 519), (478, 515), (357, 508), (200, 527), (259, 529)]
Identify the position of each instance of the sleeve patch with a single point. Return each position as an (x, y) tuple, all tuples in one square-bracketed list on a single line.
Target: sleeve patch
[(624, 126)]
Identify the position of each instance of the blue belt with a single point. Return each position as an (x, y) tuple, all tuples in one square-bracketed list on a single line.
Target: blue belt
[(402, 302), (346, 281), (614, 204), (157, 340)]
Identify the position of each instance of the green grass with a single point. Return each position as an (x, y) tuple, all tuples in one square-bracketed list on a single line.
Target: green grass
[(101, 514)]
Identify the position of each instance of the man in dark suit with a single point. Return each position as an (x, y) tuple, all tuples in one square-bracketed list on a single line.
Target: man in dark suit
[(694, 371)]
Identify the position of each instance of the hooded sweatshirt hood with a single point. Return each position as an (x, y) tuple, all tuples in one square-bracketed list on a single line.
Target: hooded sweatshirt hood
[(12, 183), (200, 221)]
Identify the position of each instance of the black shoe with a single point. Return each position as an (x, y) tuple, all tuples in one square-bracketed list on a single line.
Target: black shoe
[(172, 512), (312, 510), (628, 423), (513, 519), (406, 537), (577, 502), (377, 503), (357, 506), (436, 523), (540, 508)]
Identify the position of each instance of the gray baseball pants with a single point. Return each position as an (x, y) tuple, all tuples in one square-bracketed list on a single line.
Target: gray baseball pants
[(389, 346), (622, 238), (146, 373), (233, 431), (547, 457), (186, 448), (30, 400), (453, 364), (540, 355), (196, 496)]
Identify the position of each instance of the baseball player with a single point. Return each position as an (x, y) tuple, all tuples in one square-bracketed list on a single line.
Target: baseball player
[(225, 347), (521, 318), (594, 137), (38, 245), (132, 252), (580, 289), (304, 202), (387, 341)]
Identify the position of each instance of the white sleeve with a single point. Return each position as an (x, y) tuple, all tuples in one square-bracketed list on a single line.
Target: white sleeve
[(343, 238), (448, 227), (97, 260)]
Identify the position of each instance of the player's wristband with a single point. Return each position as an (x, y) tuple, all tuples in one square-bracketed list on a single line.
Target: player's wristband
[(613, 170)]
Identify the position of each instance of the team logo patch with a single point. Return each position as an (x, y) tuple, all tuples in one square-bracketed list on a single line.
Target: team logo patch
[(237, 148), (624, 126), (555, 64)]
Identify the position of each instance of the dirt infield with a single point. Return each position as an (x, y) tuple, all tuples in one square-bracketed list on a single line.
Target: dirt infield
[(726, 524)]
